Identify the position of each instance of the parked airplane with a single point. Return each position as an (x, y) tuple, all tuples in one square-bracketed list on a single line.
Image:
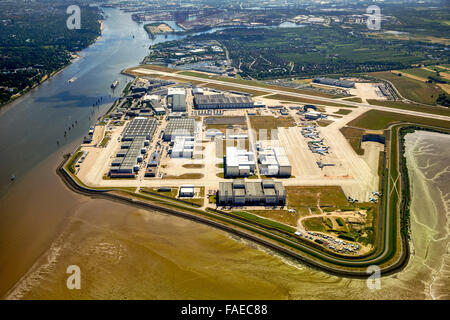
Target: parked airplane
[(322, 165)]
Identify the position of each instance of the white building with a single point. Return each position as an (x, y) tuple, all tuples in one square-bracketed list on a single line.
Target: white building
[(213, 133), (151, 97), (183, 147), (273, 160), (313, 115), (239, 162), (187, 191), (174, 91)]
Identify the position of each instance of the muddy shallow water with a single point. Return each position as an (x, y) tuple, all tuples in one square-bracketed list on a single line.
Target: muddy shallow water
[(128, 253)]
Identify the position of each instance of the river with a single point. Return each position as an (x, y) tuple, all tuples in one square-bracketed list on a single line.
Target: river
[(128, 253)]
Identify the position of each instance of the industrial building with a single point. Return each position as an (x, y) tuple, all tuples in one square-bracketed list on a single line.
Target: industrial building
[(181, 127), (183, 147), (246, 193), (273, 160), (187, 191), (213, 133), (139, 127), (178, 103), (313, 115), (334, 82), (125, 165), (239, 162), (157, 107), (175, 90), (136, 137), (220, 101)]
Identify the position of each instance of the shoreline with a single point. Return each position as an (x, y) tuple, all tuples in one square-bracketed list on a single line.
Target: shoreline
[(243, 229), (75, 57)]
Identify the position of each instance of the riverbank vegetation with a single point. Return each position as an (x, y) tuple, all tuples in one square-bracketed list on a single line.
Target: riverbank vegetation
[(35, 42)]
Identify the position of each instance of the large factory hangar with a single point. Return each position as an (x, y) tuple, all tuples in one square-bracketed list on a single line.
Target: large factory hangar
[(220, 101), (260, 193)]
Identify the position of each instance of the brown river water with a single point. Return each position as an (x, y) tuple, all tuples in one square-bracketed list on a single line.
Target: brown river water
[(129, 253)]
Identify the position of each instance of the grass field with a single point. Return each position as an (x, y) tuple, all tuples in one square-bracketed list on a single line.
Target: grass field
[(282, 216), (267, 222), (324, 123), (419, 72), (411, 106), (301, 197), (354, 138), (377, 120), (269, 122), (193, 166), (354, 99), (439, 68), (343, 111), (256, 84), (282, 97), (105, 141), (315, 224), (173, 193), (412, 89)]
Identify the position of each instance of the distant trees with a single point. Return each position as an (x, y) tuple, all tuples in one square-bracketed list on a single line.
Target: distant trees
[(443, 100), (37, 42)]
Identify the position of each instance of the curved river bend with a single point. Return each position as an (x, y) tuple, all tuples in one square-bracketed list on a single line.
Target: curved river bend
[(126, 253)]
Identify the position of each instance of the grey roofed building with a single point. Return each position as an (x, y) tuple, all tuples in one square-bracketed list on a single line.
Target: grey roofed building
[(157, 107), (140, 127), (220, 101), (254, 193), (178, 103), (181, 127), (334, 82), (136, 136)]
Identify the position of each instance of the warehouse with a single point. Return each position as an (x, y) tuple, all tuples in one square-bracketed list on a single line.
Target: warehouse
[(334, 82), (313, 115), (127, 159), (140, 127), (179, 127), (174, 91), (178, 103), (239, 162), (187, 191), (273, 161), (157, 108), (220, 101), (183, 147), (259, 193), (136, 137)]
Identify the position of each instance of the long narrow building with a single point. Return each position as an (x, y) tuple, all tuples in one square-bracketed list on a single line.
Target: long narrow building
[(256, 193)]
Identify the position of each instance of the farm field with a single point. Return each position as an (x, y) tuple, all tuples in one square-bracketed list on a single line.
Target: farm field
[(412, 89), (411, 106), (377, 120)]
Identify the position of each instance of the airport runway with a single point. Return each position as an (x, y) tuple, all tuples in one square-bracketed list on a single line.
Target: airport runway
[(293, 94)]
